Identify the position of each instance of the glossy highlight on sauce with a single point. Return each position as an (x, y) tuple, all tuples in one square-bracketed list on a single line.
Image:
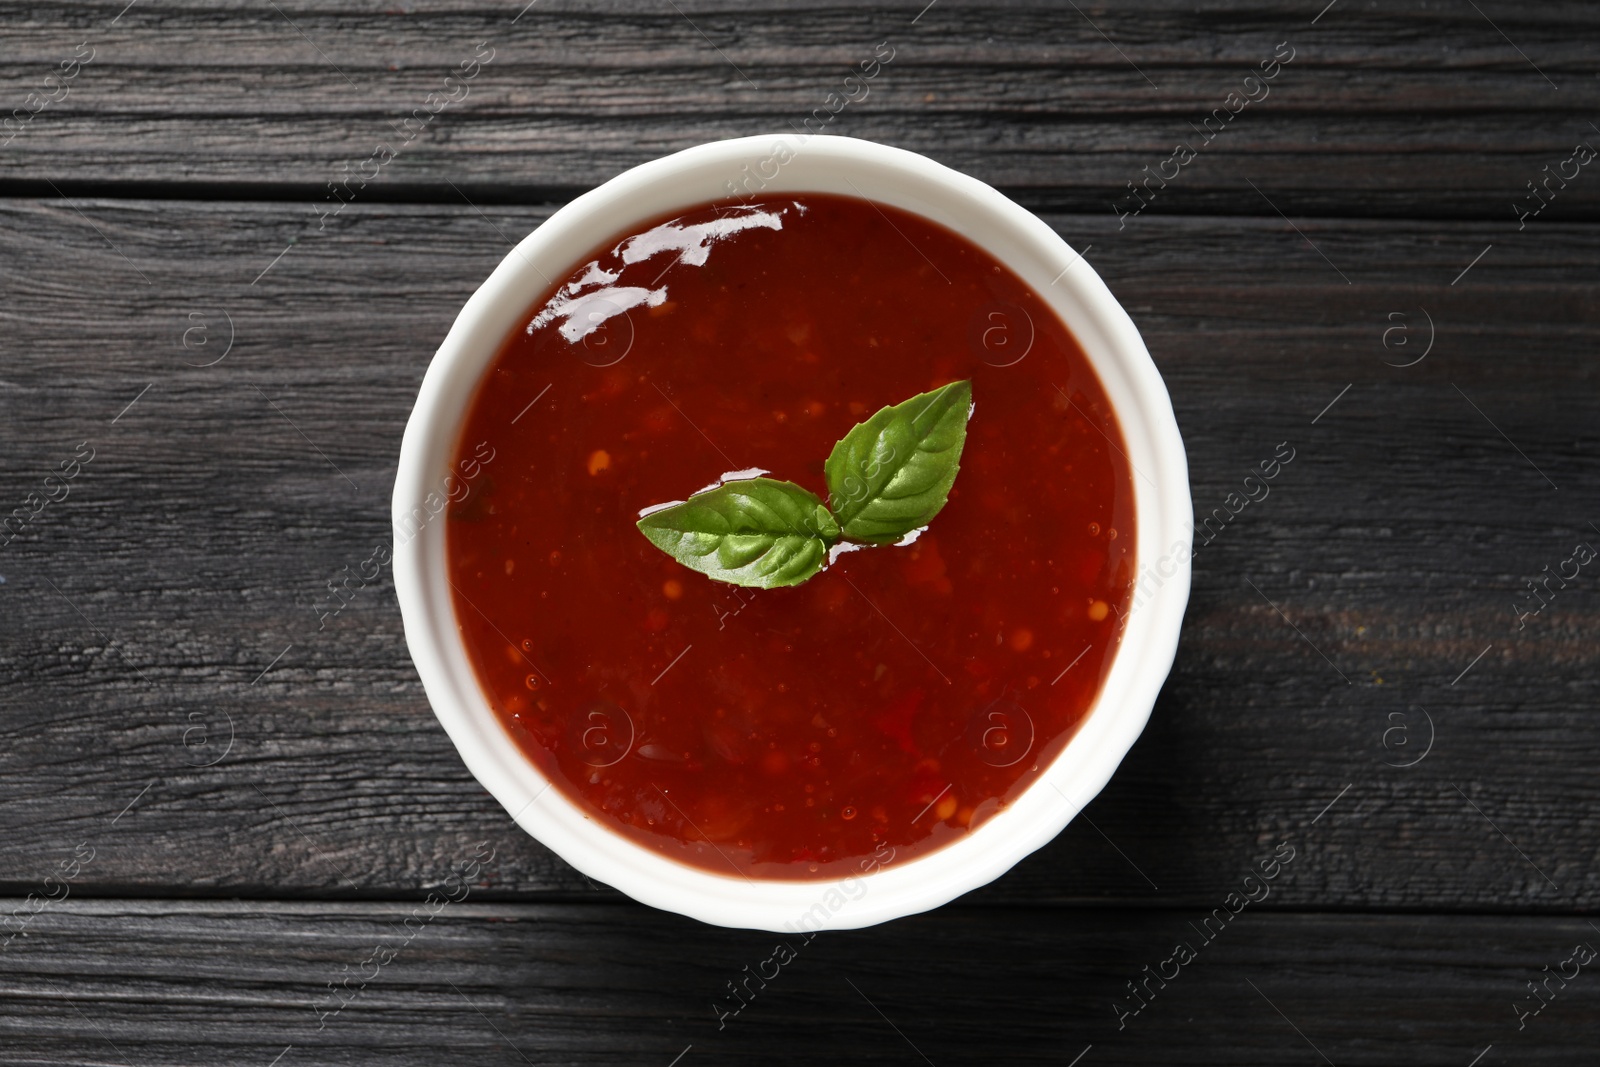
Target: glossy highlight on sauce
[(892, 703)]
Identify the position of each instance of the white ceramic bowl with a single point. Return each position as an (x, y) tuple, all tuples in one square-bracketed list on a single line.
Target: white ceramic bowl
[(768, 165)]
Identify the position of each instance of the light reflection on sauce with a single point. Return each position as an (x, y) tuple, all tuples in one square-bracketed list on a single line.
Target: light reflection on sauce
[(584, 304)]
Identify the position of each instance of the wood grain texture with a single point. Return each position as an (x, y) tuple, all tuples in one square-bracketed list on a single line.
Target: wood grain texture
[(1415, 109), (220, 983), (176, 589)]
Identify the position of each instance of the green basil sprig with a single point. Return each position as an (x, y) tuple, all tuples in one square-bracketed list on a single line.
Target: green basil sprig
[(758, 531), (892, 474), (887, 477)]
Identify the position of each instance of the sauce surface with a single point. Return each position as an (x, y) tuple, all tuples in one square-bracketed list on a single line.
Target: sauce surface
[(885, 707)]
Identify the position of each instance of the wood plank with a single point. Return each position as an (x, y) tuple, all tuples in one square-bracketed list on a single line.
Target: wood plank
[(144, 982), (1408, 109), (177, 587)]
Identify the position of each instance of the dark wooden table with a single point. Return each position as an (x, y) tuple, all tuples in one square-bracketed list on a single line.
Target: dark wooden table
[(214, 812)]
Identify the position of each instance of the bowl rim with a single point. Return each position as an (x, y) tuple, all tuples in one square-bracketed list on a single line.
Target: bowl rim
[(1163, 522)]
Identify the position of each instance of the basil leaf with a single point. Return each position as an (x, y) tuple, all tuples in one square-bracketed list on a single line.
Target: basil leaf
[(892, 474), (758, 532)]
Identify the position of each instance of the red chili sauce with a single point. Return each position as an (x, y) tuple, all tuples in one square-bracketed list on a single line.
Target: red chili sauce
[(893, 702)]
